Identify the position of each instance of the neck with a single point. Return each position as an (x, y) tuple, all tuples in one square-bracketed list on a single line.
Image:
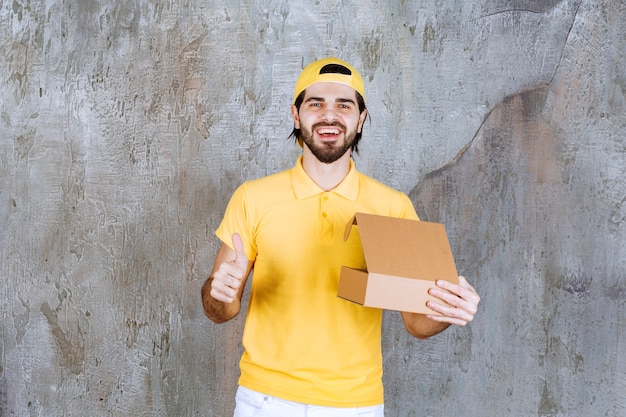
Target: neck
[(327, 176)]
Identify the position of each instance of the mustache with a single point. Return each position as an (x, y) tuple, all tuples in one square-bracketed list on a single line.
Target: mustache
[(332, 124)]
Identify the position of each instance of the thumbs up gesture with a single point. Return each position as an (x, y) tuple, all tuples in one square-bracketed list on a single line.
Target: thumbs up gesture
[(232, 269)]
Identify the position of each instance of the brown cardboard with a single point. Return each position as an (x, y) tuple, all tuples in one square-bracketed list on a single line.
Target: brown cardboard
[(403, 258)]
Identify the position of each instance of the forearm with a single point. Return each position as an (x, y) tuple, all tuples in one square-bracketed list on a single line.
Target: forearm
[(422, 327), (218, 311)]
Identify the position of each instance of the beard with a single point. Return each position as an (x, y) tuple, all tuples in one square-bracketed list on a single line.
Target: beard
[(327, 152)]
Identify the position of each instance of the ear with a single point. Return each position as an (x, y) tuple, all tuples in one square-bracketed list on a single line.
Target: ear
[(361, 120), (296, 116)]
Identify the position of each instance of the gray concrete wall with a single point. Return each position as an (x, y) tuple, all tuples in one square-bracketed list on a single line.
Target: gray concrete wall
[(126, 125)]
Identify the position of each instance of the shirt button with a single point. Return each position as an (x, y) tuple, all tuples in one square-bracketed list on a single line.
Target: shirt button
[(324, 215)]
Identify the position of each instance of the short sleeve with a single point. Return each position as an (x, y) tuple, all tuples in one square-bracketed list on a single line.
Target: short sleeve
[(238, 219), (409, 209)]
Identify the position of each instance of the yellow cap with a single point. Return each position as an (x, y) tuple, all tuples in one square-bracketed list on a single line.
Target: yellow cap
[(325, 70)]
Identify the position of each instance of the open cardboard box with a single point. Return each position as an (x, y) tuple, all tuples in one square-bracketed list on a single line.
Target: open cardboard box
[(403, 257)]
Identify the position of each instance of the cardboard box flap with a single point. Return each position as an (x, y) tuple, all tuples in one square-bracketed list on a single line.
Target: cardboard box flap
[(405, 248)]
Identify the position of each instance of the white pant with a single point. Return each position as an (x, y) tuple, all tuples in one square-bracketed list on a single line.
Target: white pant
[(254, 404)]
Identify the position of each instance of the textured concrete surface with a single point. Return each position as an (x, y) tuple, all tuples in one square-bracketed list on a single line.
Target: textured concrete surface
[(126, 125)]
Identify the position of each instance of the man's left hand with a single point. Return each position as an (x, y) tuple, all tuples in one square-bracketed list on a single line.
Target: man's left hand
[(460, 302)]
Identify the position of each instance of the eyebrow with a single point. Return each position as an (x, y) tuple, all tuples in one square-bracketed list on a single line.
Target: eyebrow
[(337, 100)]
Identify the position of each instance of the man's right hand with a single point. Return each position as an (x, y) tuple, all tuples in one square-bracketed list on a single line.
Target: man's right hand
[(230, 274)]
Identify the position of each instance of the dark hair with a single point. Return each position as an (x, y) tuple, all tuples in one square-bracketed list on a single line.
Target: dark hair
[(335, 69), (361, 103)]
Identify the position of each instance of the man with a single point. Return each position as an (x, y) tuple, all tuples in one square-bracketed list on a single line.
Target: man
[(307, 351)]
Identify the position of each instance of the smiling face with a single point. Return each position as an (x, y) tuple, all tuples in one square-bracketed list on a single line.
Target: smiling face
[(329, 120)]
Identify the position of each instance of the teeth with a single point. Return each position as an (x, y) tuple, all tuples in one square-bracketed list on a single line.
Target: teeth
[(328, 131)]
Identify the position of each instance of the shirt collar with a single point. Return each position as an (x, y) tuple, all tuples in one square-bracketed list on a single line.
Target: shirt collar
[(305, 187)]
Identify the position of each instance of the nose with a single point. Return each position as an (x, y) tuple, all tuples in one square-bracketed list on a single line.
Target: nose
[(329, 114)]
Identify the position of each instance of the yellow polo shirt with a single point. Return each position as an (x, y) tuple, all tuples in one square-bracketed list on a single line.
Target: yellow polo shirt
[(303, 343)]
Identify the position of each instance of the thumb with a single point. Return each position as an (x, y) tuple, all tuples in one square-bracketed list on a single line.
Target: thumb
[(241, 258)]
